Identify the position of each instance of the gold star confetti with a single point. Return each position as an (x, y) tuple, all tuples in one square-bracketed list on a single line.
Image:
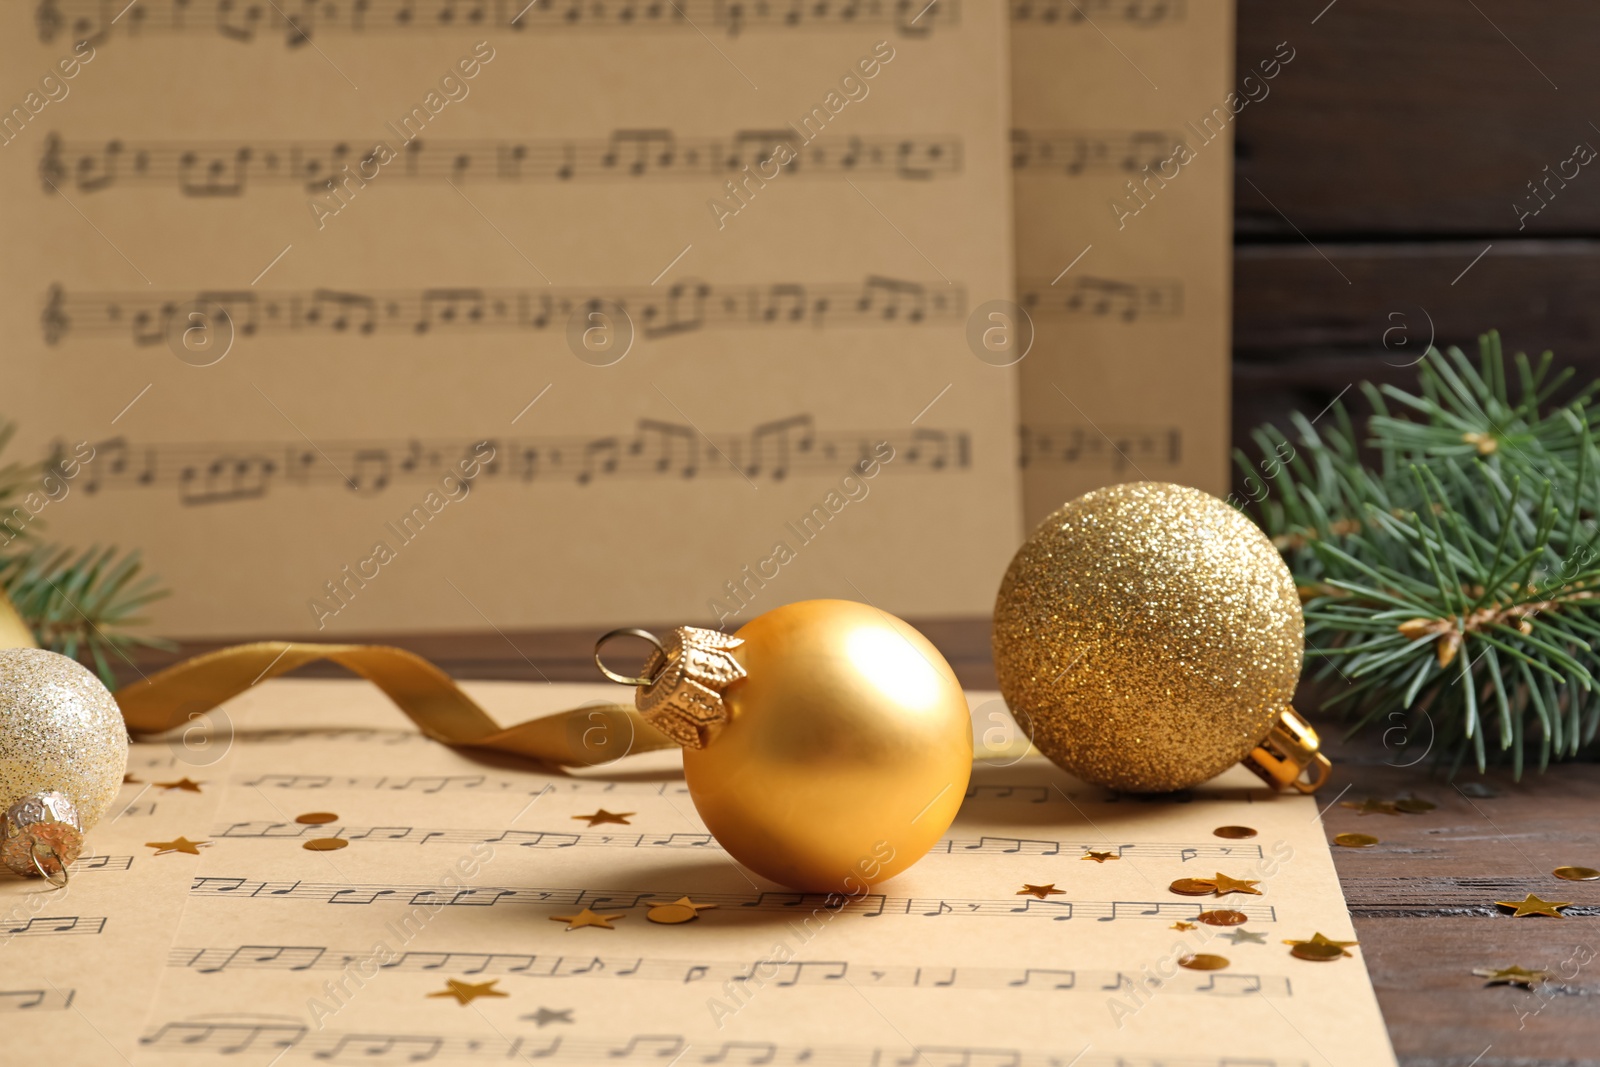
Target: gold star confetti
[(1535, 906), (1180, 925), (1040, 891), (1318, 948), (129, 779), (674, 911), (1242, 936), (1225, 885), (1099, 857), (1371, 806), (588, 918), (546, 1015), (184, 784), (1355, 840), (1511, 976), (603, 816), (177, 844), (466, 992), (1576, 874)]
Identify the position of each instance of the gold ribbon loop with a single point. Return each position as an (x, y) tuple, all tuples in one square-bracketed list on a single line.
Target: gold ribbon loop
[(578, 737)]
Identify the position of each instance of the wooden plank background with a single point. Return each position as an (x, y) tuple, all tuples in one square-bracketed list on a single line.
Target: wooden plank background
[(1375, 197), (1387, 158)]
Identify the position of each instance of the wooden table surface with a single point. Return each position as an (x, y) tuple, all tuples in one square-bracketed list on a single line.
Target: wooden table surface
[(1422, 900)]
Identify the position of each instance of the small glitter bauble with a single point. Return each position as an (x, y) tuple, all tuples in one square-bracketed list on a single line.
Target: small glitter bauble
[(1147, 636), (60, 731)]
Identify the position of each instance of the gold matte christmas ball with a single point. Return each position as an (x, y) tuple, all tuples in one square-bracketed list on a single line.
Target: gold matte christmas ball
[(1146, 636), (845, 749), (61, 731)]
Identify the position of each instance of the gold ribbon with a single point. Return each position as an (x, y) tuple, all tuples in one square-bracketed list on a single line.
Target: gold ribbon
[(582, 736), (577, 737)]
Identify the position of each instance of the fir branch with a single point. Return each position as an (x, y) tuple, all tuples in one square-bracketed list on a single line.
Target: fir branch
[(1457, 577), (80, 603)]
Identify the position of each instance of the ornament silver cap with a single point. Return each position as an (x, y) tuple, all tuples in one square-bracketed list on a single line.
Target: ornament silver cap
[(40, 835)]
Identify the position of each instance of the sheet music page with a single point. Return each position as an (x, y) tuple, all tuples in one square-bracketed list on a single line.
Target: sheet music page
[(374, 315), (1123, 154), (455, 865), (81, 961)]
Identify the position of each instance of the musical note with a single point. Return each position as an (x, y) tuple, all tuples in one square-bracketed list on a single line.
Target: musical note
[(1124, 300), (1142, 13), (1120, 447), (873, 905), (243, 23), (36, 999), (340, 310), (683, 311), (1079, 152), (685, 307), (771, 445), (675, 440), (53, 321), (43, 926), (892, 300), (229, 168), (227, 478), (985, 845), (227, 473), (222, 1037), (1049, 979), (52, 172), (788, 975)]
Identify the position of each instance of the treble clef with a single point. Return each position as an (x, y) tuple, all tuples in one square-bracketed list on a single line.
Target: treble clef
[(53, 319), (48, 18), (51, 170)]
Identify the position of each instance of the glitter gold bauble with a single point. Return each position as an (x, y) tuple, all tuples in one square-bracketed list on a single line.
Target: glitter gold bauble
[(827, 743), (63, 751), (1148, 636)]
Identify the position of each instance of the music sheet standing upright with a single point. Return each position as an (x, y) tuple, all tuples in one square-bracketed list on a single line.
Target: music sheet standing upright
[(397, 314), (1123, 156)]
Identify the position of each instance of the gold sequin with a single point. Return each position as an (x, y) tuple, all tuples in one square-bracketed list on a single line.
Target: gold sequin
[(1355, 840), (1203, 961), (1146, 636), (1223, 917), (325, 844)]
